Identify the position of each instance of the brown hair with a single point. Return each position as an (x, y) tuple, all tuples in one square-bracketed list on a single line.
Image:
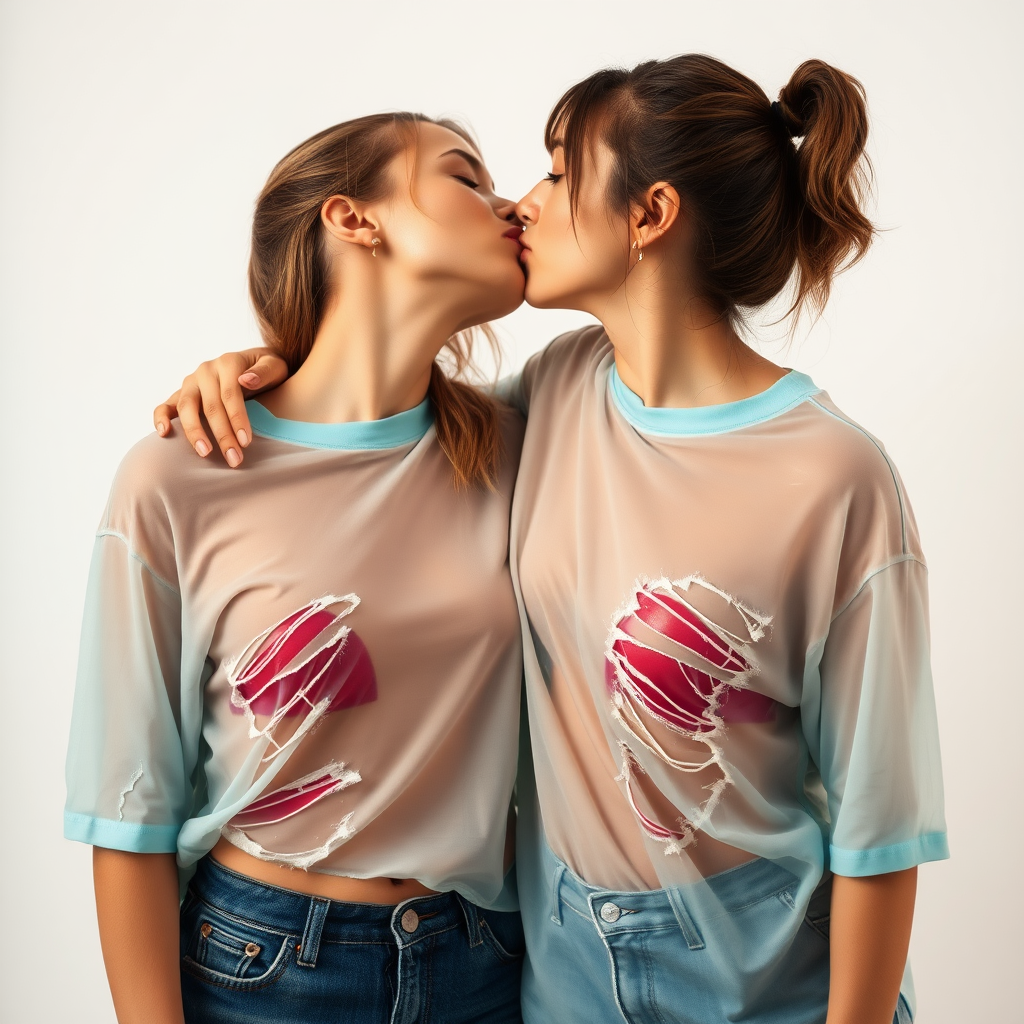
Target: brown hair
[(289, 271), (764, 206)]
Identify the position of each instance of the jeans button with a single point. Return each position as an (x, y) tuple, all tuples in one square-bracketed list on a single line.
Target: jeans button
[(410, 921), (610, 913)]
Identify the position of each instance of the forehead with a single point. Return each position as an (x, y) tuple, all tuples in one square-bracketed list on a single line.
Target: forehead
[(435, 139)]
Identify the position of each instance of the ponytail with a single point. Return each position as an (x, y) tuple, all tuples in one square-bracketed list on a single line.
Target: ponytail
[(767, 209), (826, 108), (288, 272)]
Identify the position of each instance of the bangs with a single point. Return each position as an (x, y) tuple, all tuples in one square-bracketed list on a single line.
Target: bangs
[(575, 117)]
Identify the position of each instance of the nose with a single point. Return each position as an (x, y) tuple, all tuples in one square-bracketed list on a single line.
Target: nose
[(505, 209), (526, 210)]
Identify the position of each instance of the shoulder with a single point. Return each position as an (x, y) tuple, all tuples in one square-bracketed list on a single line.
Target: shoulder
[(570, 357), (860, 478), (155, 479), (155, 470)]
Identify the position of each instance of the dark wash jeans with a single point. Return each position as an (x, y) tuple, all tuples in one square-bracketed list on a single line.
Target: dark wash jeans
[(255, 953)]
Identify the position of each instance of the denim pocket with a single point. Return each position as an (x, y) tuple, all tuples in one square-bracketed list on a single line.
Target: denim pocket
[(503, 933), (230, 951)]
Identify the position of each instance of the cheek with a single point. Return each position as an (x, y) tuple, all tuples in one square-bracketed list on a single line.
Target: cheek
[(568, 263)]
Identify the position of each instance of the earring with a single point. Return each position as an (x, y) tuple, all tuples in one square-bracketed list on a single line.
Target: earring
[(641, 254), (374, 242)]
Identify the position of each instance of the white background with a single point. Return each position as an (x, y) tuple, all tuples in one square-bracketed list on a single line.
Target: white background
[(135, 137)]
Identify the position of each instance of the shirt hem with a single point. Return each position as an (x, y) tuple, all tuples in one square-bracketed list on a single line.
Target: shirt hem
[(883, 859), (121, 835)]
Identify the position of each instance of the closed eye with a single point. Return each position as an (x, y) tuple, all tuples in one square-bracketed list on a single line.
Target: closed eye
[(466, 181), (554, 178)]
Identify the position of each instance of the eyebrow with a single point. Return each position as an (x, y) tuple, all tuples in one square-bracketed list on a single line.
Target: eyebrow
[(473, 162)]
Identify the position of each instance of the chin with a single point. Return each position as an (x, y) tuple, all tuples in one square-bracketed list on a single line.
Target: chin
[(535, 297)]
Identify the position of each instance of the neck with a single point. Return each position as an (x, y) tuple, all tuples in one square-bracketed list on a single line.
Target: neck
[(372, 355), (670, 347)]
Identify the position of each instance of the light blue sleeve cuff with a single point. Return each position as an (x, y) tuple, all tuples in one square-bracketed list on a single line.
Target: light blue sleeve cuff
[(882, 859), (121, 835)]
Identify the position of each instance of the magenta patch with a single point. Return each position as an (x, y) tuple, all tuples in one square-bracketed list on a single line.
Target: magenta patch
[(677, 693), (307, 658), (290, 800)]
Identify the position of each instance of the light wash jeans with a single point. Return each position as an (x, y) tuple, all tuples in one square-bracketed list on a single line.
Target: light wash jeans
[(601, 957)]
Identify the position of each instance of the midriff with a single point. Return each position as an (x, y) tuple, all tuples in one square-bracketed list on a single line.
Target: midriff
[(389, 891)]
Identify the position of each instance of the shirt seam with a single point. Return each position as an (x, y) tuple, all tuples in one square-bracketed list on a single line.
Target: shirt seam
[(121, 826), (881, 451), (709, 431), (138, 558), (874, 851), (324, 446), (897, 560)]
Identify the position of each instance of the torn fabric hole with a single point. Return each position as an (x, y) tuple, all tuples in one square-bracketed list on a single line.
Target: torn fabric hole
[(674, 839), (289, 800), (670, 662), (136, 775), (343, 831), (309, 664), (697, 675)]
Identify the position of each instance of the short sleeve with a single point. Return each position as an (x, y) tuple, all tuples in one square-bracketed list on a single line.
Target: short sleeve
[(517, 389), (870, 722), (127, 783)]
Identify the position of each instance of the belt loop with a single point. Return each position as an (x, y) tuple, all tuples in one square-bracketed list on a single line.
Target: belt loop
[(556, 899), (310, 945), (686, 923), (471, 913)]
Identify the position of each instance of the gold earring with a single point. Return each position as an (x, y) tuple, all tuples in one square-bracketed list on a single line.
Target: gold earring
[(374, 242), (641, 254)]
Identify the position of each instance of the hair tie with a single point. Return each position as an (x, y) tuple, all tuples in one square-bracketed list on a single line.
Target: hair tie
[(779, 115)]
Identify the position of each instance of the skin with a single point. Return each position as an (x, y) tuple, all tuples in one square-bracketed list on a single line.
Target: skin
[(673, 350), (444, 264)]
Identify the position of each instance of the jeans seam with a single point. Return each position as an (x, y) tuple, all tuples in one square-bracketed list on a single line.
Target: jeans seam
[(252, 922)]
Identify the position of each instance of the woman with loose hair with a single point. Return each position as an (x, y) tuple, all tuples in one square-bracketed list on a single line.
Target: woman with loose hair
[(300, 684), (734, 767)]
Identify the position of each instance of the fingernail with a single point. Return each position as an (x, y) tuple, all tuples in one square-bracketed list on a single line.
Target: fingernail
[(250, 380), (233, 457), (203, 448), (243, 438), (161, 428)]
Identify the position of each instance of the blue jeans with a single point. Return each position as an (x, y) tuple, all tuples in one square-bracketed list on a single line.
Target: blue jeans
[(639, 957), (254, 953)]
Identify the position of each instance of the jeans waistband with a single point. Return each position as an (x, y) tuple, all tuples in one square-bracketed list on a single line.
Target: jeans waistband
[(674, 906), (317, 919)]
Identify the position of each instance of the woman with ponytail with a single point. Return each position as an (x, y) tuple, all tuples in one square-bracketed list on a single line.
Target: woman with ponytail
[(735, 763), (734, 767), (299, 684)]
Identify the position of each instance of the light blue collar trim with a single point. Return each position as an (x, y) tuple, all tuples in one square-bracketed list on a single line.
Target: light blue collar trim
[(391, 432), (782, 396)]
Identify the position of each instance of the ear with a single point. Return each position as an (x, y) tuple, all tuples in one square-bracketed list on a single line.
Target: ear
[(658, 214), (348, 221)]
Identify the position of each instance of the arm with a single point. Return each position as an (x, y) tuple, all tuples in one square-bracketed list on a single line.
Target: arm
[(870, 936), (218, 389), (137, 908)]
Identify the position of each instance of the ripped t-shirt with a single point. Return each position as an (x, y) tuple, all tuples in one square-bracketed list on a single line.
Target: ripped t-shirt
[(316, 656), (726, 610)]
